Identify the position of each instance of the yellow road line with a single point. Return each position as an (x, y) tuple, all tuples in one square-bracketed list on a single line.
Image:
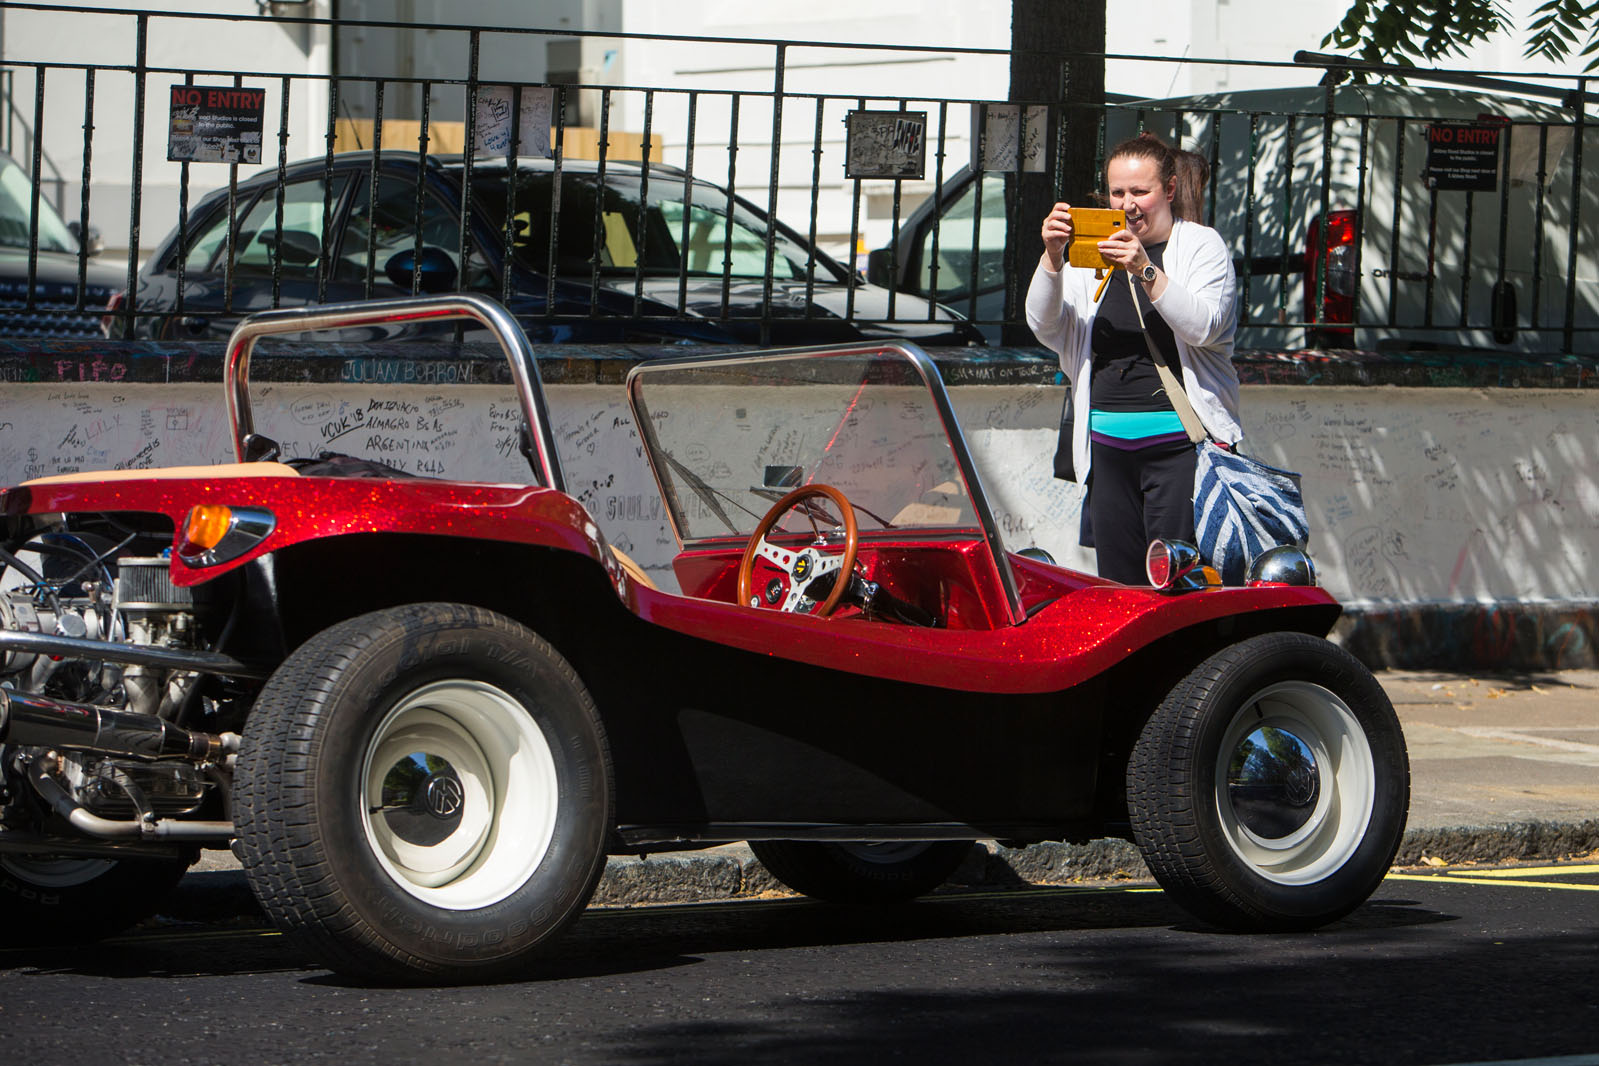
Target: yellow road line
[(1436, 878), (1529, 871)]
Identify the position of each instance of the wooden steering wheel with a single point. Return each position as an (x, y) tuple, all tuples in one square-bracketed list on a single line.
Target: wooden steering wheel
[(796, 570)]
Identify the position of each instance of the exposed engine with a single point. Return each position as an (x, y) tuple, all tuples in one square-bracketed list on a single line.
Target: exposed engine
[(95, 699)]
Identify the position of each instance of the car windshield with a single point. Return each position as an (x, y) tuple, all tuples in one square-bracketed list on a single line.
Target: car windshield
[(16, 207), (684, 229), (728, 437)]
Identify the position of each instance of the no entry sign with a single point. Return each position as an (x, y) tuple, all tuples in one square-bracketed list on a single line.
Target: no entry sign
[(216, 124), (1463, 157)]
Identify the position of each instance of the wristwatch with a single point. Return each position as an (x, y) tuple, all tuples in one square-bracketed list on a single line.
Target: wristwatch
[(1147, 274)]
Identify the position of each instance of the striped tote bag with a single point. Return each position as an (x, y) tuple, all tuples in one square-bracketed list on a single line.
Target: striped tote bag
[(1242, 507)]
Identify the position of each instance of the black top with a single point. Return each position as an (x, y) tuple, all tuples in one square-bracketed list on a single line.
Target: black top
[(1124, 377)]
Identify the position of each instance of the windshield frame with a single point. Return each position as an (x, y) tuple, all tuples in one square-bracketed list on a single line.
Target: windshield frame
[(925, 371)]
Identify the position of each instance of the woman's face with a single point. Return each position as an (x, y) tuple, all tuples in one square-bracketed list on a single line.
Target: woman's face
[(1135, 187)]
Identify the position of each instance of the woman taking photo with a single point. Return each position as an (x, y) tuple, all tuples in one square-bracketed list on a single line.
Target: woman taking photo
[(1128, 444)]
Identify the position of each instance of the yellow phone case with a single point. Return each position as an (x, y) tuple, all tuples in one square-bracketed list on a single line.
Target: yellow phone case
[(1090, 225)]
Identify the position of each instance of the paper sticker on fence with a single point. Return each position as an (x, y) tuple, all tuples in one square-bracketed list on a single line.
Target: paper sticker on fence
[(886, 144), (494, 121), (1013, 137), (215, 124)]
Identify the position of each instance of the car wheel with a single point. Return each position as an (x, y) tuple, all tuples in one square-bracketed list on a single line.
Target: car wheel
[(50, 901), (424, 794), (888, 872), (1269, 790)]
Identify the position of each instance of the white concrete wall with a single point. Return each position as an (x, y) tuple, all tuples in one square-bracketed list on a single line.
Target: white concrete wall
[(1416, 495)]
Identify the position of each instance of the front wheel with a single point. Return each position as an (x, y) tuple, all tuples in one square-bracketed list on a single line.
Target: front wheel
[(1269, 790), (888, 872), (424, 793)]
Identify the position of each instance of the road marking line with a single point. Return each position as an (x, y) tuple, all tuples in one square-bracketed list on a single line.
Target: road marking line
[(1528, 871), (1559, 1060), (1486, 733), (1492, 881)]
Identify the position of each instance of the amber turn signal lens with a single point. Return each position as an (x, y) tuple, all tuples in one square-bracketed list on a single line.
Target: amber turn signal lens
[(204, 528)]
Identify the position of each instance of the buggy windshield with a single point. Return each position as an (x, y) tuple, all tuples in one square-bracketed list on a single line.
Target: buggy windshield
[(729, 436)]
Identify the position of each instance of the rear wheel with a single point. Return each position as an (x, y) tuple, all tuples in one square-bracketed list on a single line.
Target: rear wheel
[(1269, 790), (45, 900), (424, 794), (888, 872)]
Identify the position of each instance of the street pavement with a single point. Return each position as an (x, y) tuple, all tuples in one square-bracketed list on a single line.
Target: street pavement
[(1503, 768)]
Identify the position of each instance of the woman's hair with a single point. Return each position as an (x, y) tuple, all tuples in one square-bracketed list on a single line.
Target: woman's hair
[(1192, 174), (1146, 146)]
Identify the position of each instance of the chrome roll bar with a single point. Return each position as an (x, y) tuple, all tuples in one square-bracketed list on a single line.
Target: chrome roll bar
[(546, 461)]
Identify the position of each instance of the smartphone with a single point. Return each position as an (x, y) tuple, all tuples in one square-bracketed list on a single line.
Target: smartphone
[(1090, 225)]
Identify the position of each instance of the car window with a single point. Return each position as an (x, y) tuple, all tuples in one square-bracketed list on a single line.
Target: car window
[(16, 208), (630, 237), (299, 248), (956, 235), (746, 247), (386, 227), (204, 245)]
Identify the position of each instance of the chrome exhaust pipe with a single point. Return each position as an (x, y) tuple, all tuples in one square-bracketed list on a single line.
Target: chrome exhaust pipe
[(90, 824), (38, 721)]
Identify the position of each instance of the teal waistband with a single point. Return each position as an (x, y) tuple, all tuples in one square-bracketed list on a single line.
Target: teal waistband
[(1134, 425)]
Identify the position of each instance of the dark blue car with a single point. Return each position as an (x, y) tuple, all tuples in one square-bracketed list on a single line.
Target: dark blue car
[(627, 254)]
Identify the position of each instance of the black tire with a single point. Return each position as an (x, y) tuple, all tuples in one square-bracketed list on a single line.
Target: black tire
[(424, 795), (1269, 790), (48, 901), (889, 872)]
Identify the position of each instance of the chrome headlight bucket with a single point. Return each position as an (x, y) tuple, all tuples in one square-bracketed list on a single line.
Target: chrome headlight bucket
[(1177, 566), (213, 534), (1282, 565)]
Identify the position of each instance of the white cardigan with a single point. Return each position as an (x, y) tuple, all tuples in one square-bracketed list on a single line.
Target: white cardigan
[(1199, 304)]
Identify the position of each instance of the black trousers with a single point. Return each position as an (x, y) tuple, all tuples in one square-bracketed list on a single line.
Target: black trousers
[(1135, 497)]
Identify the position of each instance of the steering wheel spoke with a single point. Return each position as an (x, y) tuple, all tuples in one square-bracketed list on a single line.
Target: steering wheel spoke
[(799, 568)]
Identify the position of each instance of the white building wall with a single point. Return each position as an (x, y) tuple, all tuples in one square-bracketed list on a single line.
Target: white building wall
[(1256, 39), (178, 45), (1177, 32)]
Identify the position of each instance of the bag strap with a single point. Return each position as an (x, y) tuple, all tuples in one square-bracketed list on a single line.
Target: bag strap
[(1174, 388)]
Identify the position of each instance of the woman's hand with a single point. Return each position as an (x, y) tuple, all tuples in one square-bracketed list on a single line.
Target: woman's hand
[(1057, 234), (1124, 249)]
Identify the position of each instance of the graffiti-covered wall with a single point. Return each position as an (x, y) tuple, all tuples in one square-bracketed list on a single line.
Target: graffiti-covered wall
[(1482, 501)]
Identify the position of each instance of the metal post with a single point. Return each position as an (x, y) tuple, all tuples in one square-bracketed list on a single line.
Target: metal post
[(598, 233), (140, 52), (1576, 217), (688, 204), (83, 186), (771, 196), (513, 148), (38, 180), (327, 191), (372, 189), (816, 188)]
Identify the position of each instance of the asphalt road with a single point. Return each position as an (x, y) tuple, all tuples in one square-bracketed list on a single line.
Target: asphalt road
[(1449, 965)]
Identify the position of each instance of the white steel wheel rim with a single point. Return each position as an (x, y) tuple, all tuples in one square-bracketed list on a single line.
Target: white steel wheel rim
[(459, 794), (1332, 825)]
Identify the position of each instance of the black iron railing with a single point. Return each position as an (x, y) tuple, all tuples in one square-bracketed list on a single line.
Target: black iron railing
[(631, 226)]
